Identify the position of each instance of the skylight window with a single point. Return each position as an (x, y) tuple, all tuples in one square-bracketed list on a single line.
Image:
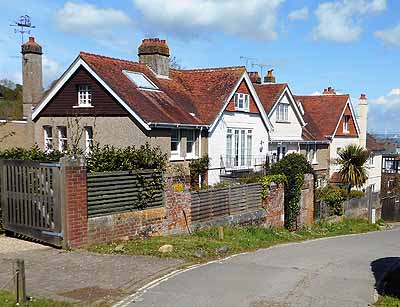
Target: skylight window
[(140, 80)]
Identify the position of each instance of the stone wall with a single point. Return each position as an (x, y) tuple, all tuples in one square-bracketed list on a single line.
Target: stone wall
[(306, 216), (358, 207)]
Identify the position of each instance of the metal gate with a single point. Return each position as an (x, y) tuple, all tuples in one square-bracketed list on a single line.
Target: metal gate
[(391, 208), (30, 199)]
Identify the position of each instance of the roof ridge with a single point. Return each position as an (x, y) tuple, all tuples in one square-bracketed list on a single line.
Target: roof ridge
[(283, 83), (323, 95), (209, 69), (108, 57)]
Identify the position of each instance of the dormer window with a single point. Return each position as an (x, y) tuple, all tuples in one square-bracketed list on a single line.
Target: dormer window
[(242, 102), (346, 124), (84, 96), (282, 112)]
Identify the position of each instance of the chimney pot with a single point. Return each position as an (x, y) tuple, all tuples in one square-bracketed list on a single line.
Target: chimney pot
[(363, 97), (270, 78), (155, 53)]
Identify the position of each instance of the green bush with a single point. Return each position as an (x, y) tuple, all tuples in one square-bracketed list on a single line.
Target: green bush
[(294, 166), (109, 158), (334, 197), (250, 178), (32, 154), (356, 194), (198, 167)]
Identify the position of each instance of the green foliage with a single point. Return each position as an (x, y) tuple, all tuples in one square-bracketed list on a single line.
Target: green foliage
[(11, 106), (352, 161), (356, 194), (198, 167), (32, 154), (109, 158), (294, 166), (7, 299), (334, 197), (250, 178), (267, 180)]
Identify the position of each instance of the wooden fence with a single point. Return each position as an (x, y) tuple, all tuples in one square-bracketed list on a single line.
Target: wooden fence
[(112, 192), (210, 204), (31, 199)]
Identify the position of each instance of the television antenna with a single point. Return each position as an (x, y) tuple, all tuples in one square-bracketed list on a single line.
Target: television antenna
[(261, 66), (247, 59), (23, 25)]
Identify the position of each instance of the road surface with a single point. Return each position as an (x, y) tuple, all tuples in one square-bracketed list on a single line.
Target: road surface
[(340, 271)]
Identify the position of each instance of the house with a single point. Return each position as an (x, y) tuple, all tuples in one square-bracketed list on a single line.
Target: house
[(187, 113), (374, 165), (331, 120)]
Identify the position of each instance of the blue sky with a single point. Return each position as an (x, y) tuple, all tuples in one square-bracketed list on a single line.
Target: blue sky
[(351, 45)]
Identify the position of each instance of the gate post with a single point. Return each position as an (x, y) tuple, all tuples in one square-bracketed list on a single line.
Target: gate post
[(74, 201)]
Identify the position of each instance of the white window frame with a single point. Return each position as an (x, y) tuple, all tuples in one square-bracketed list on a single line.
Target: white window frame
[(346, 123), (239, 141), (279, 151), (242, 102), (84, 96), (88, 139), (62, 138), (48, 138), (192, 133), (282, 112), (177, 152), (314, 155)]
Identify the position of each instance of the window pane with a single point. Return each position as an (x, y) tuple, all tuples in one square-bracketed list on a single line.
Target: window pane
[(236, 150), (242, 146), (229, 149), (249, 147)]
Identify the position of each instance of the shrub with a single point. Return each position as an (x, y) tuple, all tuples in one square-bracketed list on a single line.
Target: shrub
[(356, 194), (32, 154), (250, 178), (109, 158), (294, 166), (198, 167), (334, 197)]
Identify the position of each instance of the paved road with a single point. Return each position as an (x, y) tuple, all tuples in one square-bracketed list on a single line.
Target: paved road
[(329, 272)]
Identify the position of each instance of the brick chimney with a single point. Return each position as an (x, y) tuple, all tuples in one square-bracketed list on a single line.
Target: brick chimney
[(155, 53), (270, 78), (255, 77), (362, 119), (32, 83), (329, 91)]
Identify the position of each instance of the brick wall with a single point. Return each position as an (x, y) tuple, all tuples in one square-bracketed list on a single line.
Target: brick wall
[(169, 219), (75, 205), (274, 204)]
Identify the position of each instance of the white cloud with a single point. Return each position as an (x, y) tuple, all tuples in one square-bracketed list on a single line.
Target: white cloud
[(254, 19), (390, 36), (384, 111), (90, 20), (51, 69), (301, 14), (339, 21)]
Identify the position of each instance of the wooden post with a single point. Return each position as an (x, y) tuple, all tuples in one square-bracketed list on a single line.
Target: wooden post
[(221, 233), (19, 281)]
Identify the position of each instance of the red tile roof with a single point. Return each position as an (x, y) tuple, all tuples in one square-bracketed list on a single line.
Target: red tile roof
[(322, 113), (375, 145), (201, 92), (269, 93)]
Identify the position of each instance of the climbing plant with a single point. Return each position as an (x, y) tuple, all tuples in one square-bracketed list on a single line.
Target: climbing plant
[(266, 183), (198, 168), (294, 166)]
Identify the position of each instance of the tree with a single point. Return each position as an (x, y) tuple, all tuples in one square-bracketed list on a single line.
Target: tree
[(175, 63), (352, 161)]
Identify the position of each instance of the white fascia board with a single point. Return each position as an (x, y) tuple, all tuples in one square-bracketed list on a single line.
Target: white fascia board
[(245, 77), (341, 116), (67, 75), (292, 101)]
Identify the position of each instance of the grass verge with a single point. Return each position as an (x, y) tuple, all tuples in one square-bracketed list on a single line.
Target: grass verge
[(205, 243), (388, 301), (7, 299)]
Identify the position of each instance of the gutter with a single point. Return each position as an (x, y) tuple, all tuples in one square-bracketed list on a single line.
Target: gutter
[(170, 125)]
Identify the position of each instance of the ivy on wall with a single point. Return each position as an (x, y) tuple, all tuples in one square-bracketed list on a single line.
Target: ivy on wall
[(266, 182), (294, 166)]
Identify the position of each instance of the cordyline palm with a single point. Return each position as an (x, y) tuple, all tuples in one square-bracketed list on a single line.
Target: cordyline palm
[(352, 161)]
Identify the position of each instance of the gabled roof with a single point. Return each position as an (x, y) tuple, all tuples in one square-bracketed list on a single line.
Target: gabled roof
[(187, 97), (375, 145), (322, 113), (271, 93)]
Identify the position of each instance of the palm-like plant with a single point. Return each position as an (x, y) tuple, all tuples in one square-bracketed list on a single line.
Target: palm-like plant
[(352, 161)]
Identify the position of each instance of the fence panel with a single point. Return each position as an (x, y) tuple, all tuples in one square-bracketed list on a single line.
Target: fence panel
[(391, 208), (112, 192), (207, 205), (30, 199)]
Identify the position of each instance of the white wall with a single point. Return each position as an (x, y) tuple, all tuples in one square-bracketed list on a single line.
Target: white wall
[(217, 138), (375, 173), (291, 130), (339, 142)]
